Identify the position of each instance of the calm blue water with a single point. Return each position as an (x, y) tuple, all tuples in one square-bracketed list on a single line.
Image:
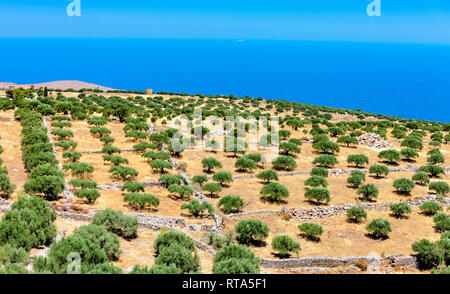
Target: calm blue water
[(411, 81)]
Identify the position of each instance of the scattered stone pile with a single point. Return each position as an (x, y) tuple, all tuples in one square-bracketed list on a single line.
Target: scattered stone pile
[(374, 141)]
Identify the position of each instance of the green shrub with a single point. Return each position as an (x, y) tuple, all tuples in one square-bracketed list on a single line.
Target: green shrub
[(400, 209), (430, 208), (168, 180), (185, 260), (356, 214), (368, 192), (139, 201), (442, 222), (379, 170), (99, 235), (358, 159), (117, 223), (391, 156), (379, 228), (222, 177), (235, 259), (6, 188), (160, 165), (325, 160), (250, 231), (116, 160), (123, 172), (316, 181), (421, 178), (274, 192), (231, 203), (311, 231), (244, 163), (197, 208), (432, 170), (318, 194), (408, 154), (28, 224), (267, 176), (133, 187), (404, 185), (441, 188), (284, 245), (167, 238), (90, 194), (319, 171), (428, 254), (200, 179), (210, 163), (284, 163), (212, 188)]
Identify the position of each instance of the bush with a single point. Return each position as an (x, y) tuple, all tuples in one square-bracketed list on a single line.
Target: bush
[(319, 171), (436, 158), (73, 156), (318, 194), (59, 261), (167, 238), (196, 208), (391, 156), (66, 145), (326, 146), (430, 208), (28, 224), (412, 142), (421, 178), (49, 186), (441, 188), (235, 259), (116, 160), (200, 179), (62, 134), (325, 160), (433, 170), (404, 185), (222, 177), (379, 170), (250, 231), (284, 163), (83, 184), (379, 228), (284, 245), (107, 140), (184, 259), (99, 235), (182, 191), (139, 201), (409, 153), (289, 148), (267, 176), (133, 187), (160, 165), (355, 180), (347, 140), (6, 188), (168, 180), (117, 223), (231, 203), (244, 163), (358, 159), (442, 222), (217, 241), (356, 214), (274, 192), (368, 192), (108, 149), (428, 255), (312, 231), (142, 146), (123, 172), (79, 168), (316, 181), (211, 163), (212, 188), (400, 209), (100, 131), (90, 194)]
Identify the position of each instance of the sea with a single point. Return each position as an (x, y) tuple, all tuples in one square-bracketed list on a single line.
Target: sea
[(401, 79)]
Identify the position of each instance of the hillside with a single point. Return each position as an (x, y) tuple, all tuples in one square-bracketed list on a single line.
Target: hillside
[(86, 154), (62, 85)]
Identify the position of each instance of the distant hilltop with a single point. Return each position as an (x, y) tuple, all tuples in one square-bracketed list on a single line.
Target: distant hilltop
[(62, 85)]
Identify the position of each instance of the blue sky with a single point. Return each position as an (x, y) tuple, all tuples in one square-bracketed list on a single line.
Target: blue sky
[(411, 21)]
